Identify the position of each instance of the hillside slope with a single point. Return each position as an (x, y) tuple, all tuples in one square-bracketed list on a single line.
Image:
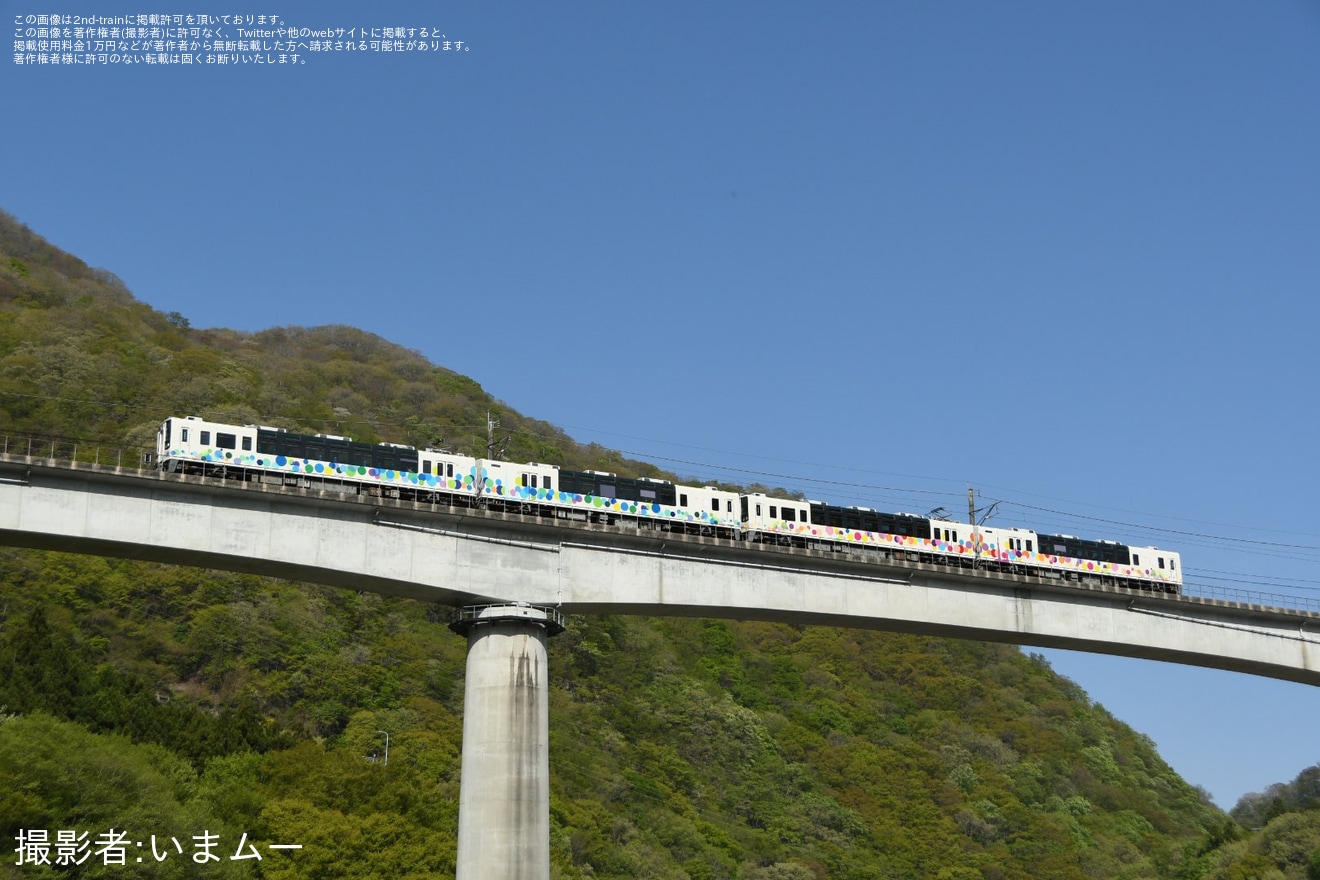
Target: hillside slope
[(170, 701)]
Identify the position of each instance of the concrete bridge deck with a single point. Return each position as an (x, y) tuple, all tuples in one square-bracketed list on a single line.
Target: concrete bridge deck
[(464, 556)]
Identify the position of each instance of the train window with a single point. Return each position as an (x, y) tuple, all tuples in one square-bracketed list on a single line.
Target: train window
[(682, 500), (450, 469), (728, 506), (715, 504), (548, 484), (206, 438), (955, 536), (1136, 560), (534, 486), (774, 512), (758, 510), (608, 491), (1160, 560), (1028, 546), (184, 435), (1173, 564), (790, 515), (226, 441), (247, 444), (647, 494)]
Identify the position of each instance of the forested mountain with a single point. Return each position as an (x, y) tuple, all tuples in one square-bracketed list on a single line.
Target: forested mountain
[(170, 702), (1284, 843)]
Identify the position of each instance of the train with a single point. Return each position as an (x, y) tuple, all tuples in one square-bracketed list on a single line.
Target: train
[(194, 445)]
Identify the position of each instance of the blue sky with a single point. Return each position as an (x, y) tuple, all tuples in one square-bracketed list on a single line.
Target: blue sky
[(1066, 254)]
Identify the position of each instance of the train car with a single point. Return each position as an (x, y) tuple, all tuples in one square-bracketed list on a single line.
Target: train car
[(451, 472), (1108, 561), (531, 482), (818, 525)]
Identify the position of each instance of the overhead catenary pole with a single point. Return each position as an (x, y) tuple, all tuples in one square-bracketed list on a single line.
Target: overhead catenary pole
[(971, 519)]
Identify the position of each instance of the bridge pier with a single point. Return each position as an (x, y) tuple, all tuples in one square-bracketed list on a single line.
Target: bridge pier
[(504, 793)]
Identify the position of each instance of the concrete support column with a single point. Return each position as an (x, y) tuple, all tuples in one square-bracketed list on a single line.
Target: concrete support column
[(504, 794)]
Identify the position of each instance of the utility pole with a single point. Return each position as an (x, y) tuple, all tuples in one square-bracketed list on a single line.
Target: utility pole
[(491, 425), (986, 513)]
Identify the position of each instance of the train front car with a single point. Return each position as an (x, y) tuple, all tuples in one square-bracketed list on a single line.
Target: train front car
[(1157, 569), (194, 445), (255, 453)]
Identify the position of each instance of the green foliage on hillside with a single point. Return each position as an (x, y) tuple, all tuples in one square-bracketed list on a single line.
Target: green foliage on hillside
[(80, 359), (171, 701), (1285, 842), (1303, 793)]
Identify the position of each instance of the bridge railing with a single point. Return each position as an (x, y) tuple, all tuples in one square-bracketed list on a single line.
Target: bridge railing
[(65, 450), (1252, 597)]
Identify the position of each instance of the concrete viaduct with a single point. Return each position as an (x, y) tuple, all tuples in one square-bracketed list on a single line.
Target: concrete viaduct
[(515, 577)]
